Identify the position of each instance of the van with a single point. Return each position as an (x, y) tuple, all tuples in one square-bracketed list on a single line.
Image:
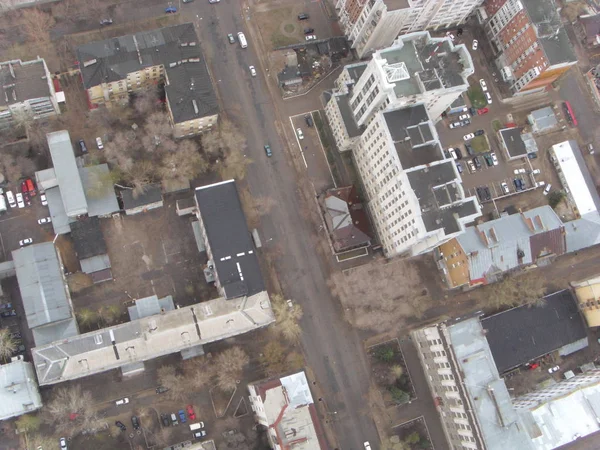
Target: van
[(3, 207), (242, 40), (196, 426), (11, 199)]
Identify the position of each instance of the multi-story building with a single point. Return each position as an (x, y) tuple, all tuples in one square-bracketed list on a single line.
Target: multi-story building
[(374, 24), (415, 68), (530, 45), (27, 90), (114, 68), (285, 407), (473, 401), (414, 192)]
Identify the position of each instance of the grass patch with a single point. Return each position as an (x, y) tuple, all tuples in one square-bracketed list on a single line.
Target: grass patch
[(270, 21), (281, 40), (497, 125), (480, 144), (289, 28), (477, 97)]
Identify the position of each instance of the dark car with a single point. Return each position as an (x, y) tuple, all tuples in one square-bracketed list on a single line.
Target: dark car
[(479, 132), (82, 146), (532, 155), (106, 22), (466, 122), (27, 198), (308, 119), (120, 425), (470, 150), (268, 150), (309, 30), (477, 162), (480, 194), (182, 417), (165, 420), (488, 195), (458, 153), (170, 10), (16, 335), (303, 16), (488, 160), (19, 350), (8, 313), (6, 306), (231, 38), (473, 111), (135, 422), (161, 389), (518, 184)]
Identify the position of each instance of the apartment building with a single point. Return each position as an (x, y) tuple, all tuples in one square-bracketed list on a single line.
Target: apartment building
[(374, 24), (27, 90), (416, 68), (414, 193), (115, 68), (530, 45)]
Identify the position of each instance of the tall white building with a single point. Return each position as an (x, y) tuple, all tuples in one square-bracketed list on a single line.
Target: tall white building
[(374, 24), (414, 193), (415, 68)]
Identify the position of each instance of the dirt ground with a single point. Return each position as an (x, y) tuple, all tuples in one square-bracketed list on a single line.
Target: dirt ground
[(279, 27), (152, 253)]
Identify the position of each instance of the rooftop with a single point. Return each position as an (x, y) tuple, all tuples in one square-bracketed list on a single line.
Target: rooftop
[(229, 240), (356, 70), (511, 137), (393, 5), (579, 183), (149, 306), (346, 218), (591, 27), (19, 391), (152, 194), (350, 124), (60, 220), (498, 421), (150, 337), (67, 173), (176, 48), (43, 289), (588, 299), (88, 238), (521, 334), (543, 119), (584, 232), (99, 190), (23, 81)]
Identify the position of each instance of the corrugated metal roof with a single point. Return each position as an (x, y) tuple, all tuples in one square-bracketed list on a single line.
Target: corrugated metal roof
[(55, 331), (19, 393)]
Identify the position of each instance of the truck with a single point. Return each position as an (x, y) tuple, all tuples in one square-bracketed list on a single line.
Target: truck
[(196, 426)]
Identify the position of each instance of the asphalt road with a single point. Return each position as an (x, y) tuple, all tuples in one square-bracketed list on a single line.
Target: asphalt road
[(333, 349)]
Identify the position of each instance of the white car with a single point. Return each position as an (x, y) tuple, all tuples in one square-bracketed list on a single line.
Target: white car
[(25, 242), (252, 71), (20, 200), (553, 369), (536, 171), (63, 443), (505, 188), (44, 200), (44, 220), (518, 171), (122, 401), (547, 189), (488, 97), (483, 85), (453, 153), (468, 137), (11, 199), (471, 165), (300, 134), (455, 125), (367, 445), (450, 35), (99, 144), (311, 37), (494, 158), (464, 117), (475, 44)]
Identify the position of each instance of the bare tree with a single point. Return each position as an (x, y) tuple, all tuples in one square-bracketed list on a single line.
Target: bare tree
[(229, 366), (7, 344), (226, 137), (110, 314), (118, 151), (169, 378), (71, 409), (145, 102), (140, 176), (184, 164), (523, 289), (287, 318), (158, 125), (87, 317), (198, 372), (234, 165), (273, 358), (37, 25)]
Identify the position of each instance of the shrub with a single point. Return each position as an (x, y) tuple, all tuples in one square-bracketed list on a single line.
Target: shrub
[(385, 353), (398, 395)]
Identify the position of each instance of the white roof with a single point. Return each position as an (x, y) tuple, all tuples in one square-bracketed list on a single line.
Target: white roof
[(19, 393), (573, 176)]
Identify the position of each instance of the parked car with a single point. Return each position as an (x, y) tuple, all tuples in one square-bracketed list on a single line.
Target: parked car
[(122, 401), (172, 9), (26, 241), (483, 111), (459, 167), (230, 38), (518, 184), (473, 111), (213, 1), (174, 419), (488, 98), (483, 85), (309, 30), (99, 144), (308, 119), (547, 189), (590, 148), (5, 305), (463, 117), (458, 153), (468, 137), (11, 199), (455, 125), (303, 16), (63, 443), (477, 162), (465, 122), (161, 389), (475, 44), (27, 198), (310, 37), (553, 369), (190, 412), (252, 70), (105, 22), (471, 166), (469, 148), (121, 425), (44, 220), (536, 171), (268, 150), (299, 133), (367, 445), (479, 132), (20, 201), (135, 422), (453, 153), (24, 188), (488, 160), (532, 155), (8, 313), (182, 416), (82, 146), (165, 420), (505, 188), (494, 158), (44, 200), (199, 434)]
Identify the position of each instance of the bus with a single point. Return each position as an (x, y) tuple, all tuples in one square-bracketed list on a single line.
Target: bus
[(569, 113), (242, 40)]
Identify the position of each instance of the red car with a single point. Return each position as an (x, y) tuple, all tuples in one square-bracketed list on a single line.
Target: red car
[(483, 111), (24, 188), (30, 187), (190, 412)]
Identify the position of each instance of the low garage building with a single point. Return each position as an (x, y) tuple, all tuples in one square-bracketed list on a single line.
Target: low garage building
[(90, 248)]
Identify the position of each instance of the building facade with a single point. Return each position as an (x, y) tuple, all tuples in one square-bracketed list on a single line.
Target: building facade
[(27, 91), (374, 24), (531, 47), (416, 68), (414, 192)]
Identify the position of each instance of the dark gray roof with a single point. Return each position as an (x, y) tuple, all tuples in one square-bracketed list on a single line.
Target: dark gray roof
[(88, 238), (343, 104), (289, 73), (152, 194), (176, 48), (558, 48), (356, 70), (513, 141), (522, 334), (230, 241), (22, 81)]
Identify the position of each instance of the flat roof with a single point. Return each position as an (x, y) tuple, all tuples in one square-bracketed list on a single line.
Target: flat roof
[(43, 289), (88, 238), (19, 391), (543, 119), (588, 298), (524, 333), (585, 199), (152, 194), (513, 141), (99, 190), (150, 337), (60, 221), (23, 80), (229, 239), (67, 173), (342, 101)]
